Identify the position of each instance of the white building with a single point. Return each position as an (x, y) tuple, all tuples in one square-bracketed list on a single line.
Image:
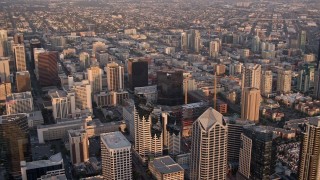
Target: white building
[(63, 103), (115, 77), (95, 78)]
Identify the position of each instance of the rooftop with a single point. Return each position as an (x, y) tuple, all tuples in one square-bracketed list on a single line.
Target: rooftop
[(23, 95), (166, 165), (115, 140), (55, 159), (209, 118)]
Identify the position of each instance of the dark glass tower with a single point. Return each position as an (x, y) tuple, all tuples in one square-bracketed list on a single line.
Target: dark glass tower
[(138, 73)]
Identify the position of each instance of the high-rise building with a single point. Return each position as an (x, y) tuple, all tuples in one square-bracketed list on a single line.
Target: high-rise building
[(250, 104), (266, 83), (36, 52), (257, 152), (163, 168), (34, 43), (255, 46), (284, 81), (138, 73), (184, 41), (214, 49), (23, 82), (18, 38), (251, 75), (63, 103), (48, 68), (79, 146), (170, 84), (306, 78), (303, 40), (115, 156), (195, 42), (15, 143), (85, 61), (5, 90), (3, 43), (102, 57), (310, 151), (4, 70), (20, 57), (95, 78), (83, 99), (19, 103), (148, 133), (115, 77), (98, 46), (209, 147)]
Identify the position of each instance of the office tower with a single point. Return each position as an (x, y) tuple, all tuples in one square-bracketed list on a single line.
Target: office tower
[(18, 38), (85, 61), (214, 49), (37, 169), (170, 84), (257, 153), (36, 52), (83, 93), (310, 152), (98, 46), (148, 133), (184, 41), (235, 128), (195, 42), (5, 90), (284, 81), (173, 135), (250, 104), (251, 75), (3, 43), (34, 44), (79, 146), (20, 57), (306, 78), (63, 103), (4, 70), (245, 53), (23, 82), (14, 141), (303, 40), (95, 78), (163, 168), (115, 77), (266, 83), (102, 57), (19, 103), (255, 46), (115, 156), (138, 73), (58, 42), (48, 68), (209, 147), (316, 92)]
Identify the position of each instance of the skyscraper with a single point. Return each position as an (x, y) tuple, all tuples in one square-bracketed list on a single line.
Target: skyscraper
[(255, 46), (18, 38), (84, 60), (115, 77), (79, 146), (63, 103), (250, 104), (316, 92), (310, 151), (20, 57), (251, 75), (115, 156), (34, 43), (284, 81), (209, 147), (23, 82), (306, 78), (257, 153), (170, 84), (138, 73), (48, 68), (184, 41), (4, 70), (303, 40), (83, 97), (266, 83), (214, 49), (3, 43), (14, 142), (95, 78)]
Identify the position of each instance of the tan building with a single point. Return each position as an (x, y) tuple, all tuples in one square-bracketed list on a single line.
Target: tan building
[(111, 98), (115, 156), (23, 82), (165, 168), (98, 46), (95, 78), (5, 90), (310, 151), (4, 70), (214, 49), (19, 103), (115, 77), (3, 43), (251, 75), (209, 147), (20, 57), (284, 81), (79, 146), (250, 104), (266, 83), (83, 100)]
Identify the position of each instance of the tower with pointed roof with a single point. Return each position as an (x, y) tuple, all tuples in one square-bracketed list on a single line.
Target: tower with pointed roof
[(209, 147)]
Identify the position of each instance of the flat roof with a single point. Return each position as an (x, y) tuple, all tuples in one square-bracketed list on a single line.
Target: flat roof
[(115, 140), (23, 95), (166, 165), (55, 159)]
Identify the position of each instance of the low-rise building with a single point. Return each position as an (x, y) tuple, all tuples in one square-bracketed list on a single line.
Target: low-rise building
[(163, 168)]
